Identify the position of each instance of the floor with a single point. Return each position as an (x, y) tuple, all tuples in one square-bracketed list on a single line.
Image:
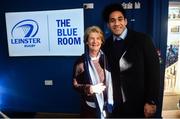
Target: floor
[(170, 106), (167, 114), (170, 101)]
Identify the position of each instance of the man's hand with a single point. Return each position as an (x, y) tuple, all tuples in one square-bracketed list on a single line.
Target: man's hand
[(98, 88), (149, 110)]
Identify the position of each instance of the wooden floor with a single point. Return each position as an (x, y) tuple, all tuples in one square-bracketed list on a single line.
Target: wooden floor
[(170, 101), (171, 114), (170, 106)]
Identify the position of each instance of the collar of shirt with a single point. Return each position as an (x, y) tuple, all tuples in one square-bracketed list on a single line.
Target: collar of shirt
[(122, 36)]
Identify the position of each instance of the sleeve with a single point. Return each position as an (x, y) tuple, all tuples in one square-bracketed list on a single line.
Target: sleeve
[(79, 83), (152, 72)]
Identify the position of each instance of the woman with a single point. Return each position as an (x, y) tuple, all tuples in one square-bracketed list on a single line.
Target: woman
[(91, 77)]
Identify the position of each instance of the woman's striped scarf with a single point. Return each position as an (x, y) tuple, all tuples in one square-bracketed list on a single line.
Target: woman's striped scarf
[(93, 77)]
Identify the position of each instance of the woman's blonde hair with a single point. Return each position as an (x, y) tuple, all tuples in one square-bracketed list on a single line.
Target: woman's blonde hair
[(93, 29)]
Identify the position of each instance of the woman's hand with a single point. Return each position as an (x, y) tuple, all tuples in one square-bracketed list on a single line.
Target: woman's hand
[(98, 88)]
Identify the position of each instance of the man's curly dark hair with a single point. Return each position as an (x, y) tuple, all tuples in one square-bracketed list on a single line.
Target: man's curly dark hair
[(111, 8)]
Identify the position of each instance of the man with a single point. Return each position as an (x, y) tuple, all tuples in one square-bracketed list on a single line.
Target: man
[(134, 65)]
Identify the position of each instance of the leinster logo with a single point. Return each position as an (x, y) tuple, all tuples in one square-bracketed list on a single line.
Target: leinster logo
[(25, 28), (24, 32)]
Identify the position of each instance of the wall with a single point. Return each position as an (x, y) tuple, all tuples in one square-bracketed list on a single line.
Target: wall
[(22, 78)]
